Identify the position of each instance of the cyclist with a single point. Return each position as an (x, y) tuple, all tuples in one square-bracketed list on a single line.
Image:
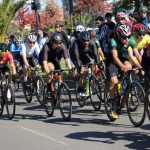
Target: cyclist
[(51, 55), (141, 40), (143, 15), (30, 53), (6, 60), (79, 28), (121, 47), (16, 48), (86, 52), (148, 29)]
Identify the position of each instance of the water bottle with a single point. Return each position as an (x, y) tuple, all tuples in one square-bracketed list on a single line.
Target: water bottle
[(8, 94), (119, 86), (86, 85), (56, 85)]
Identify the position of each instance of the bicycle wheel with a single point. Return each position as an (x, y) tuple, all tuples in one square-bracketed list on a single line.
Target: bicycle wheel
[(48, 102), (95, 93), (136, 107), (39, 85), (80, 99), (147, 100), (28, 90), (10, 102), (65, 102), (1, 102), (108, 103)]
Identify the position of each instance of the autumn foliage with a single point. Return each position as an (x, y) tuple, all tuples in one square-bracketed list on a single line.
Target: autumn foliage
[(47, 17), (92, 6)]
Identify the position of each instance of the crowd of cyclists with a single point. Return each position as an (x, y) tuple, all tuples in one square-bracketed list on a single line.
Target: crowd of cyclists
[(121, 45)]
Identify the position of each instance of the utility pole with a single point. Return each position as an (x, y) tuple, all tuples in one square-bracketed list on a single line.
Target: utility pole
[(35, 5)]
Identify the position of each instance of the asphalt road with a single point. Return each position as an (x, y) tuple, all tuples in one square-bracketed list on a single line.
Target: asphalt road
[(31, 129)]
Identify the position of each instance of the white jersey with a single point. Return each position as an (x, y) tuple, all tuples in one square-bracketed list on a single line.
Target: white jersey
[(29, 52)]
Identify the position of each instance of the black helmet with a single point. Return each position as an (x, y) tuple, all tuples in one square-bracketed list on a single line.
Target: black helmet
[(56, 37), (85, 35), (3, 47)]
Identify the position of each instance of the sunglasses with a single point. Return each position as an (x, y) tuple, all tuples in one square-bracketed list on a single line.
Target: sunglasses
[(121, 18), (2, 51), (31, 42), (125, 37), (85, 41), (142, 12)]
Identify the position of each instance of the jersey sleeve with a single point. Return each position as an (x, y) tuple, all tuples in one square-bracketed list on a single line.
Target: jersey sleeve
[(113, 44)]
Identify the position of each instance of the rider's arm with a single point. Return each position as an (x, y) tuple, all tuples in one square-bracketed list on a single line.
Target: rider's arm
[(137, 54), (45, 66), (95, 52), (37, 50), (132, 57), (12, 64), (116, 59)]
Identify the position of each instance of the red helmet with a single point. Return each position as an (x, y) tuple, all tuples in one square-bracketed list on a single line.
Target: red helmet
[(123, 31), (120, 15), (139, 28)]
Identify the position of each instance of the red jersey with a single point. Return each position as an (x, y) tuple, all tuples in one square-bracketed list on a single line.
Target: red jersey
[(6, 58)]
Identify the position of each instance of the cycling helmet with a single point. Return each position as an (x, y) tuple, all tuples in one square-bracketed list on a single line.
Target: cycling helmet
[(80, 28), (123, 31), (56, 37), (18, 38), (143, 9), (3, 47), (32, 37), (121, 10), (120, 15), (85, 35), (148, 27), (139, 28)]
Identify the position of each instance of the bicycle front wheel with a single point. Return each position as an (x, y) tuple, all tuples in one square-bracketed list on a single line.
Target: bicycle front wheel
[(48, 102), (136, 107), (39, 85), (95, 93), (147, 100), (10, 102), (65, 101)]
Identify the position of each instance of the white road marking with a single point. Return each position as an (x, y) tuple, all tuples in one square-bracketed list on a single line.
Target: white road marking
[(43, 135)]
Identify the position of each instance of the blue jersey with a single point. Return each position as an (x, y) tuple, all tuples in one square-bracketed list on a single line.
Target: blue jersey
[(14, 48)]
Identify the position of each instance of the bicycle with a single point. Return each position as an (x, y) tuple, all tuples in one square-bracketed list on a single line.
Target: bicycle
[(90, 87), (131, 94), (58, 96), (33, 86), (7, 96)]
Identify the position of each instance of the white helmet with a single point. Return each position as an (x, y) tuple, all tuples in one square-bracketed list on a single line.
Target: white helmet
[(148, 27), (18, 39), (80, 28), (32, 37)]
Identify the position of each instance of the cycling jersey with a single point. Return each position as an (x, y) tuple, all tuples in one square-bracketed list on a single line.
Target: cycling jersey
[(50, 54), (83, 55), (140, 44), (121, 48), (6, 58), (30, 52)]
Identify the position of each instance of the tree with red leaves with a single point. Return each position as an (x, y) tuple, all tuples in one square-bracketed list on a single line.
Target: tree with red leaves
[(47, 17), (92, 6)]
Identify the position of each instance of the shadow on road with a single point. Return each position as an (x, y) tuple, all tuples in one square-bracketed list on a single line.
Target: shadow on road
[(136, 140)]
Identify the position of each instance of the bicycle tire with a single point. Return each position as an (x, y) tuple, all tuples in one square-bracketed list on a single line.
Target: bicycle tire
[(135, 104), (10, 102), (28, 91), (95, 90), (48, 102), (39, 91), (107, 102), (147, 100), (64, 97), (80, 100)]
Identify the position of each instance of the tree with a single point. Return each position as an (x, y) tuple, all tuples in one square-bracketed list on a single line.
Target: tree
[(47, 17), (7, 11), (131, 4)]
